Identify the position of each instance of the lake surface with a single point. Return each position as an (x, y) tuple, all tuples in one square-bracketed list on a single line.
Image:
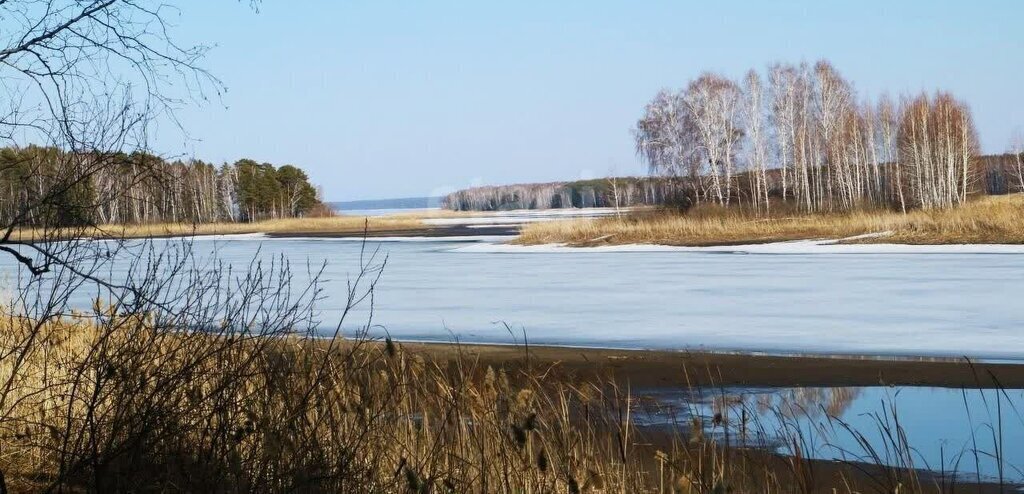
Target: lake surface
[(881, 304), (901, 304)]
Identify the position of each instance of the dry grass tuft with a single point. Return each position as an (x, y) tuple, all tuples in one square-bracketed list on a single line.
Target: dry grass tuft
[(991, 219)]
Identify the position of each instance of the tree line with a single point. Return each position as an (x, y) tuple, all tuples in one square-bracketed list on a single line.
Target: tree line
[(123, 188), (599, 193), (806, 136), (997, 174)]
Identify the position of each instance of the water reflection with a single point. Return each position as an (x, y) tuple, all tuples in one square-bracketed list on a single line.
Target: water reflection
[(665, 407), (975, 433), (814, 403)]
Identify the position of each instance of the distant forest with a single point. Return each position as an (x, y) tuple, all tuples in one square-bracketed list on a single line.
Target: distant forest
[(118, 188), (999, 174), (609, 192)]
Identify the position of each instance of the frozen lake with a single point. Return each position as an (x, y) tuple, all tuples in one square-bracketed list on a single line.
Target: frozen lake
[(852, 303)]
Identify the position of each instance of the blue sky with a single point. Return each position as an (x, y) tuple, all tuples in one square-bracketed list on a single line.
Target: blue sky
[(384, 99)]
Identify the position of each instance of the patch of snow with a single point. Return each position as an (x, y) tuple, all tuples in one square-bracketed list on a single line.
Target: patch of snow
[(865, 236), (802, 247)]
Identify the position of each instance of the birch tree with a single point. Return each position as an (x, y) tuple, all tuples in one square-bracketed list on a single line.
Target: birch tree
[(714, 103), (888, 124), (1017, 150), (756, 132), (938, 139), (790, 88), (666, 138), (832, 100)]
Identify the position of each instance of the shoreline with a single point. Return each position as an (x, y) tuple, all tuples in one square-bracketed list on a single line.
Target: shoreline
[(427, 231), (980, 220), (983, 224), (506, 240), (659, 368), (867, 244)]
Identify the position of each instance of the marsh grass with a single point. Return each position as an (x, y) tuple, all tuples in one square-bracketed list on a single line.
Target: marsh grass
[(326, 223), (107, 409), (988, 219), (339, 224)]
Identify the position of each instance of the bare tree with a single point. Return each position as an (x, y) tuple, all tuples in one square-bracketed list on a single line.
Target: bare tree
[(888, 124), (791, 88), (666, 137), (937, 138), (714, 105), (1017, 150), (756, 132), (872, 188), (613, 183), (832, 100)]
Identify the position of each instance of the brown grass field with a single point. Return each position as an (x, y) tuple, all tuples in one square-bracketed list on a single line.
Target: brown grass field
[(990, 219), (341, 225)]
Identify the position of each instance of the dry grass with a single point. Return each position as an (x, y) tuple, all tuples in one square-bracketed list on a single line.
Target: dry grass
[(118, 406), (991, 219), (353, 225), (340, 224)]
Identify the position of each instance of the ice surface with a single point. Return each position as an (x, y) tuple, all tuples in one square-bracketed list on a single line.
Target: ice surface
[(849, 299)]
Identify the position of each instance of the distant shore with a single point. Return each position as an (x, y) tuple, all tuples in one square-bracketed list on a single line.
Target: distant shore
[(433, 231), (984, 221)]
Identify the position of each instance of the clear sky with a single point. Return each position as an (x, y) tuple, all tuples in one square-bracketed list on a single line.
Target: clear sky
[(380, 99)]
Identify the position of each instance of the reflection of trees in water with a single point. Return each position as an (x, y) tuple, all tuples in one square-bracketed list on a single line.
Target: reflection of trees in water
[(813, 403), (743, 409)]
